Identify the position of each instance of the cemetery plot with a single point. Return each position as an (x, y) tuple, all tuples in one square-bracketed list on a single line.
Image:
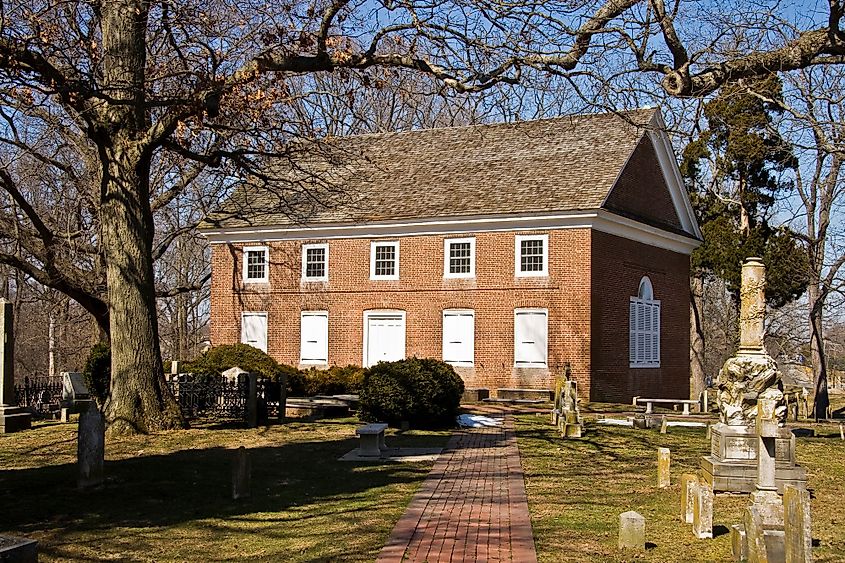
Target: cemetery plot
[(577, 490), (168, 497)]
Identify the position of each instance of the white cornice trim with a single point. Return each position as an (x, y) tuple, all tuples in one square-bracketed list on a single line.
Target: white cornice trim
[(598, 219), (672, 175)]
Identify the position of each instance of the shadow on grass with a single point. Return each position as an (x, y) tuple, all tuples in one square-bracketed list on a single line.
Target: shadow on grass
[(153, 491)]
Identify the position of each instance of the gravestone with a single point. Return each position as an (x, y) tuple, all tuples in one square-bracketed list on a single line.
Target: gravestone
[(631, 531), (739, 543), (75, 395), (663, 425), (745, 379), (702, 515), (566, 414), (90, 448), (689, 490), (764, 517), (241, 474), (798, 538), (663, 463), (12, 417), (18, 550)]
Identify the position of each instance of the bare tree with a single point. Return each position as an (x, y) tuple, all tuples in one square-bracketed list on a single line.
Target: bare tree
[(99, 95)]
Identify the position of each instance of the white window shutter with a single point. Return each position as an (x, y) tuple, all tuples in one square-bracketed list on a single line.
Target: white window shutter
[(632, 333), (254, 330), (459, 337), (531, 338), (314, 341)]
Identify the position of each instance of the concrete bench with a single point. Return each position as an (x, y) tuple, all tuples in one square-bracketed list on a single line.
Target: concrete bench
[(371, 439), (649, 403)]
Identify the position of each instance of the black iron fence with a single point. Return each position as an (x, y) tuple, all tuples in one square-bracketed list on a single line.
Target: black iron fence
[(227, 398), (39, 395)]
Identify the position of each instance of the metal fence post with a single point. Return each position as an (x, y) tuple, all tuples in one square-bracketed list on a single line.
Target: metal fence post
[(252, 401), (283, 398)]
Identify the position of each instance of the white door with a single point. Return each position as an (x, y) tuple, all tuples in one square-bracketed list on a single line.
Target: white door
[(314, 337), (385, 338), (459, 337), (254, 330), (530, 337)]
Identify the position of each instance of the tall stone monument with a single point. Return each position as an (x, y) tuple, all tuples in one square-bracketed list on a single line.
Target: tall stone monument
[(12, 417), (749, 377)]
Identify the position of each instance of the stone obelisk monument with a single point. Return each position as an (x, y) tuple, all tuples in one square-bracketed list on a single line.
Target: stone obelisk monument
[(748, 378), (12, 417)]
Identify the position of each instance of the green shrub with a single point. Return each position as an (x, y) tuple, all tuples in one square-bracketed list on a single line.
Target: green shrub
[(220, 358), (97, 372), (424, 392), (336, 380)]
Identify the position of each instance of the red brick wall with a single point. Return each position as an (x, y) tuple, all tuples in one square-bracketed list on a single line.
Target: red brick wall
[(423, 293), (618, 266), (641, 191)]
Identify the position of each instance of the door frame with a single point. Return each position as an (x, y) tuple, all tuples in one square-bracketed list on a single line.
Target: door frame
[(383, 313)]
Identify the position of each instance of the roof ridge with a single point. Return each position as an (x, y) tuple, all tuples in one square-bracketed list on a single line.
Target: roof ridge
[(618, 113)]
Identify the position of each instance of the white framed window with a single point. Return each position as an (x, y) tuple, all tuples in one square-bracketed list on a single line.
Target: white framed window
[(459, 337), (531, 338), (644, 328), (256, 266), (384, 260), (315, 262), (531, 255), (254, 329), (314, 337), (384, 336), (459, 258)]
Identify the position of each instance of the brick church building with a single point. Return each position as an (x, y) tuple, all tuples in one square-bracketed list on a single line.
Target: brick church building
[(505, 250)]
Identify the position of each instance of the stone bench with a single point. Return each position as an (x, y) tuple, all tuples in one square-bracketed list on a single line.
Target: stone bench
[(649, 403), (371, 439)]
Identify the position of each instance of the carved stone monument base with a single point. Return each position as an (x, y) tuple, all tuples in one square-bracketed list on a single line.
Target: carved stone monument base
[(732, 463), (13, 419)]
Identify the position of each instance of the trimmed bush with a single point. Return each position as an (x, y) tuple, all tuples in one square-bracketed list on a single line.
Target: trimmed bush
[(336, 380), (97, 372), (216, 360), (424, 392)]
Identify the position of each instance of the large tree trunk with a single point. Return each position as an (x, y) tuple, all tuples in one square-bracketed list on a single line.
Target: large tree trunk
[(697, 374), (821, 400), (140, 400)]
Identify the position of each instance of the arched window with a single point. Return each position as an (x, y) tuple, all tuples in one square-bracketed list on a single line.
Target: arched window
[(644, 328)]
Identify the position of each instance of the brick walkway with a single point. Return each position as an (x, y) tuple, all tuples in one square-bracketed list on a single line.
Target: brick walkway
[(472, 506)]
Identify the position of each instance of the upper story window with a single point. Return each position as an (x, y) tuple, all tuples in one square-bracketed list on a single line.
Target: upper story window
[(256, 264), (532, 255), (384, 260), (644, 328), (315, 262), (459, 258)]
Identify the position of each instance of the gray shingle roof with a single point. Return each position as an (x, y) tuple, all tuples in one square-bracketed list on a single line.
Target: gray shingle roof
[(561, 164)]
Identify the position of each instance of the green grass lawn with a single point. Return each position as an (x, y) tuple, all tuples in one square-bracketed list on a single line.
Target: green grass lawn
[(167, 496), (577, 489)]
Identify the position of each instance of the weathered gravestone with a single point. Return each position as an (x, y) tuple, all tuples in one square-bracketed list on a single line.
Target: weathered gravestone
[(689, 490), (18, 550), (631, 531), (12, 417), (566, 414), (241, 474), (663, 464), (75, 395), (702, 511), (90, 448), (798, 538)]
